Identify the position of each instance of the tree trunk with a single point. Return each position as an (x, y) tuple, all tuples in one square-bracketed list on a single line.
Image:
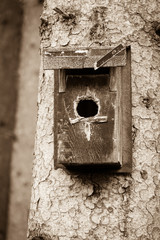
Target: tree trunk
[(65, 205)]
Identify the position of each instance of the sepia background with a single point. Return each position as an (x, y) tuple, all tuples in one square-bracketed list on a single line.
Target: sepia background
[(19, 70)]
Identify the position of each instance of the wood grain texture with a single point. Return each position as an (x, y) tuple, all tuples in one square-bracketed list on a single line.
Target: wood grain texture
[(88, 140), (127, 115), (62, 81), (113, 79), (79, 58)]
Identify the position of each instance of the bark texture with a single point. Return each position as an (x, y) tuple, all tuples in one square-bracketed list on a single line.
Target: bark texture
[(99, 206)]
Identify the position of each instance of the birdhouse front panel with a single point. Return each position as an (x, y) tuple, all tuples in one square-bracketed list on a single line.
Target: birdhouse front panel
[(86, 121)]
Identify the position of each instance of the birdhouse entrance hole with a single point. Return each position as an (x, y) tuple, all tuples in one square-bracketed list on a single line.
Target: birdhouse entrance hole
[(87, 108)]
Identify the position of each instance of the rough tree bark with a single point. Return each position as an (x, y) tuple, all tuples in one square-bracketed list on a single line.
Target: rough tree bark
[(99, 206)]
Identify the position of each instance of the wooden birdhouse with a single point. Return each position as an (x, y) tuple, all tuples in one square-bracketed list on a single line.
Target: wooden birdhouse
[(92, 108)]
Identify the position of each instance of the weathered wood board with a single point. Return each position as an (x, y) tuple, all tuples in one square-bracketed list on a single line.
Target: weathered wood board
[(79, 58), (86, 140)]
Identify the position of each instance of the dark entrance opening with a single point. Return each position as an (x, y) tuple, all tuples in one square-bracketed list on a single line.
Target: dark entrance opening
[(87, 108)]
